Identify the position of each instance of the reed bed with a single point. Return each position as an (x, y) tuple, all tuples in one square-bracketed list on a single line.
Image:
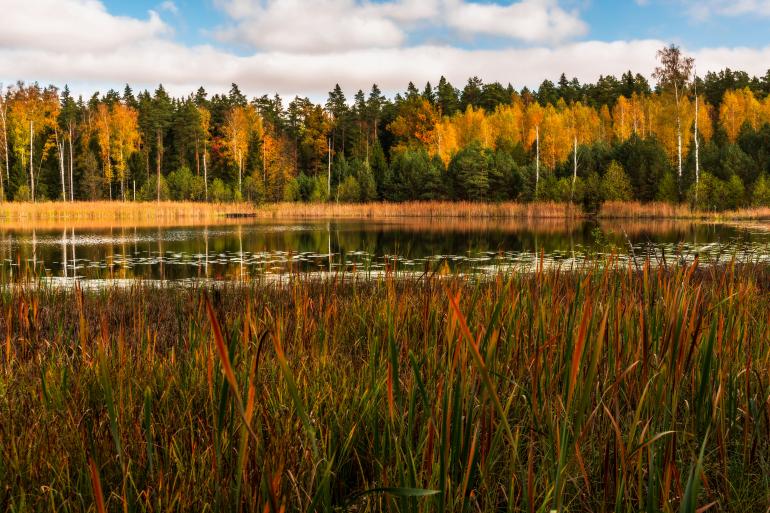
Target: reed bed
[(118, 210), (609, 388), (435, 209), (196, 212), (662, 210), (505, 210)]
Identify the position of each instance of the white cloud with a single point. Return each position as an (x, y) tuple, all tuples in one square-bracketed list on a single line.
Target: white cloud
[(85, 46), (301, 26), (71, 25), (169, 6), (327, 25), (528, 20)]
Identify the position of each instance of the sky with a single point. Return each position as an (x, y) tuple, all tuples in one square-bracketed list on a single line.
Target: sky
[(305, 47)]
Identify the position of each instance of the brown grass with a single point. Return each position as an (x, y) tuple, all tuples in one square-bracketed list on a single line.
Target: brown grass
[(116, 210), (180, 213), (661, 210), (470, 210), (439, 209)]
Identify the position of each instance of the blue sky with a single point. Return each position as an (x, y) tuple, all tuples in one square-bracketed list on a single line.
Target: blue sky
[(306, 46), (608, 20)]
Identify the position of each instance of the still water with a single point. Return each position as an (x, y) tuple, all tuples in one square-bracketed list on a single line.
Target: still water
[(267, 248)]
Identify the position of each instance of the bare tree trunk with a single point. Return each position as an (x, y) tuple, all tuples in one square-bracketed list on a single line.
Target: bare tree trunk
[(122, 179), (697, 144), (5, 144), (574, 171), (537, 158), (60, 148), (679, 137), (72, 166), (205, 173), (197, 158), (329, 173), (240, 173), (31, 168), (158, 158)]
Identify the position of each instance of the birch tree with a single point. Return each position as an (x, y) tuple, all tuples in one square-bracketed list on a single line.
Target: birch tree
[(4, 95), (125, 140), (673, 75)]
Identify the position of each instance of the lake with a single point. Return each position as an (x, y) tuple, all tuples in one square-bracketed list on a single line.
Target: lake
[(242, 249)]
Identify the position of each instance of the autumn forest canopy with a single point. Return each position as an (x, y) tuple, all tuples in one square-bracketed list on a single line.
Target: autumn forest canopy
[(682, 139)]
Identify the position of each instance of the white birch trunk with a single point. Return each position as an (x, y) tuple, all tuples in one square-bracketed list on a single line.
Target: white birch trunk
[(537, 158), (31, 168)]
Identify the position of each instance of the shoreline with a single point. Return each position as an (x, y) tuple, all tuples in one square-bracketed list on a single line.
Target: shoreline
[(169, 212)]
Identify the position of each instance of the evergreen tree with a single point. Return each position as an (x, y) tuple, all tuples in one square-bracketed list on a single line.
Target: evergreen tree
[(469, 173)]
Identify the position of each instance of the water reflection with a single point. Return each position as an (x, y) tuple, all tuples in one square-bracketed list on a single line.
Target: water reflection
[(244, 250)]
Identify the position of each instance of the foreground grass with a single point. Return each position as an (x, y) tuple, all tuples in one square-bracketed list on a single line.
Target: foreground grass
[(597, 390)]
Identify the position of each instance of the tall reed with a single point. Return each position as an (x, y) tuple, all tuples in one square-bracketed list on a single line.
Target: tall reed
[(602, 389)]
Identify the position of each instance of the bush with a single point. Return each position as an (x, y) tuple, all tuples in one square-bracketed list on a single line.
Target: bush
[(254, 188), (184, 186), (760, 194), (349, 191), (592, 194), (616, 185), (668, 190), (320, 191), (149, 190), (23, 193), (291, 191), (219, 192), (715, 194), (560, 190)]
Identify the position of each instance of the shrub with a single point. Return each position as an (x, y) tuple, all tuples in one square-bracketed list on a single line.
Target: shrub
[(23, 193), (291, 191), (349, 191), (616, 185), (179, 183), (760, 194), (149, 190), (668, 190), (254, 188), (715, 194), (219, 192), (592, 195), (320, 191)]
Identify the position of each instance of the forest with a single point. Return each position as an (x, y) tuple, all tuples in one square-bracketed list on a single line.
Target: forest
[(704, 141)]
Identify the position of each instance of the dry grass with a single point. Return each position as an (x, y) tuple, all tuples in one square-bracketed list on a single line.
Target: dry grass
[(171, 212), (116, 210), (661, 210), (546, 210), (437, 209)]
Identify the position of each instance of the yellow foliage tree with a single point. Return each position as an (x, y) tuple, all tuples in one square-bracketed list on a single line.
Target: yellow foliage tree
[(125, 140), (240, 124)]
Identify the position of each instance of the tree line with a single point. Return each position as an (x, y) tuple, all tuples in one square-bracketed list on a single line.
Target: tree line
[(702, 140)]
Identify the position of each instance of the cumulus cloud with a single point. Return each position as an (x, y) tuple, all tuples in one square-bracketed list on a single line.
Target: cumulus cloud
[(326, 25), (72, 26), (317, 26), (528, 20), (87, 47)]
